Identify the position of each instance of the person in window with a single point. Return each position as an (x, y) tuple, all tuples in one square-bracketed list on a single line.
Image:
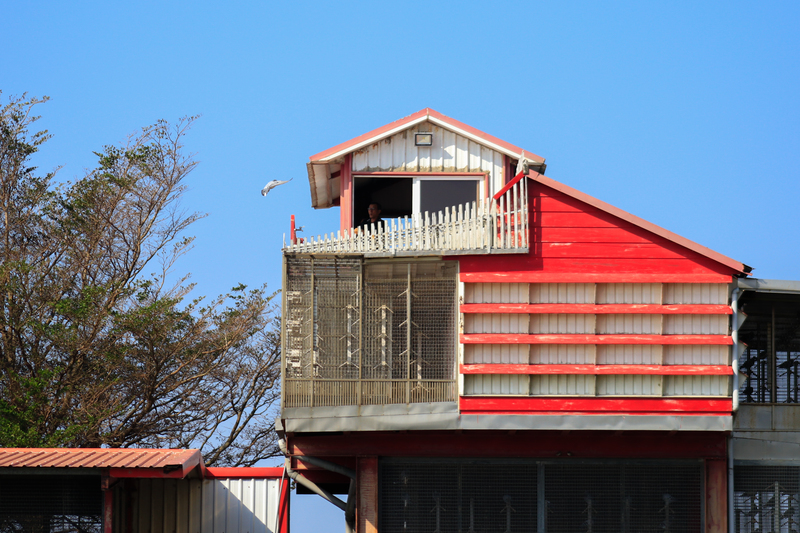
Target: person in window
[(374, 212)]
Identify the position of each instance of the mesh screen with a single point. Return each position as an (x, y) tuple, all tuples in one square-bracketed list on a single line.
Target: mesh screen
[(766, 498), (50, 504), (369, 334), (503, 497)]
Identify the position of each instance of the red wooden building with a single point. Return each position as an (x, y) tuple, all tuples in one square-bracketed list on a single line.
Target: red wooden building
[(505, 353)]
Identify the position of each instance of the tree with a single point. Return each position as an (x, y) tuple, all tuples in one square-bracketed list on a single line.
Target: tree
[(94, 350)]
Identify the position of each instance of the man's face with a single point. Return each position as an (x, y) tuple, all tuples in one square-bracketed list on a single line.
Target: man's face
[(373, 212)]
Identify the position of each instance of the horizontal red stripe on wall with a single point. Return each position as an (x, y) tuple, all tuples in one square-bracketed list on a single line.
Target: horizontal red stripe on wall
[(521, 338), (595, 406), (599, 309), (533, 276), (658, 370)]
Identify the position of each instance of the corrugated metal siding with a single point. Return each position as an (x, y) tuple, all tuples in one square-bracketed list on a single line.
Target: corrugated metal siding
[(562, 385), (477, 384), (629, 324), (697, 386), (197, 506), (564, 293), (696, 324), (499, 323), (449, 153), (629, 293), (629, 354), (695, 293), (496, 353), (563, 354), (696, 355), (573, 324), (495, 293), (629, 385)]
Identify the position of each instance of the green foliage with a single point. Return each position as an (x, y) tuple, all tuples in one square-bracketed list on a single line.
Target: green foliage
[(93, 352)]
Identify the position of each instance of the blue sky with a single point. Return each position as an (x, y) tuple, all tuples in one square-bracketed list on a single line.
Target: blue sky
[(685, 114)]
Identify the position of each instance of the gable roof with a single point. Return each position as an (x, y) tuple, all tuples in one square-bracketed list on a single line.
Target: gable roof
[(322, 167), (423, 115), (636, 221)]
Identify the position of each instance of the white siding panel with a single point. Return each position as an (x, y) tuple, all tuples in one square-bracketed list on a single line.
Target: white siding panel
[(696, 386), (629, 324), (562, 323), (563, 354), (695, 324), (495, 323), (696, 355), (629, 293), (636, 385), (695, 293), (462, 154), (509, 354), (448, 151), (485, 385), (496, 293), (562, 385), (563, 293), (629, 354)]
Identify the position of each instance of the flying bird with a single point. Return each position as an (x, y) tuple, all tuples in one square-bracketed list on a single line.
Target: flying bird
[(272, 184)]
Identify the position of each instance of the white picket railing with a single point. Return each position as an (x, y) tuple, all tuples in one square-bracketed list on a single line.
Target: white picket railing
[(485, 226)]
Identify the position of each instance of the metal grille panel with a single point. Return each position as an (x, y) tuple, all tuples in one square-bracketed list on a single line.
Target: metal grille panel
[(766, 498), (502, 496), (369, 334)]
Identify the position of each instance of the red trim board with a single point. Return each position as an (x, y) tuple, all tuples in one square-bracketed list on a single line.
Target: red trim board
[(598, 309), (595, 406), (657, 370), (522, 338)]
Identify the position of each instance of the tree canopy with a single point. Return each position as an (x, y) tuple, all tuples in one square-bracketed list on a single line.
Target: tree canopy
[(95, 349)]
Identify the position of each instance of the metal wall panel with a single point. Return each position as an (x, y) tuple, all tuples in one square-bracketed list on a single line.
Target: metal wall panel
[(562, 385), (697, 355), (695, 293), (629, 293), (561, 354), (497, 323), (477, 384), (629, 324), (695, 324), (562, 293), (496, 353), (565, 324), (192, 506), (696, 385), (496, 293), (449, 153), (629, 385), (629, 354)]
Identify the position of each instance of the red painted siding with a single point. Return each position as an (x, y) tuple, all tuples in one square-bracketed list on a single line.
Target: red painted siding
[(572, 241)]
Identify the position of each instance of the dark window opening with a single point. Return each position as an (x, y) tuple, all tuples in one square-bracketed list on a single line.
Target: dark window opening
[(766, 498)]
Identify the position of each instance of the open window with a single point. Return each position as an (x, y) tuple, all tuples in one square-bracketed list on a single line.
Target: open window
[(406, 196)]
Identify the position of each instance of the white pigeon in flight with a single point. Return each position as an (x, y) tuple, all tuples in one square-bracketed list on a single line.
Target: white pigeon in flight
[(272, 184)]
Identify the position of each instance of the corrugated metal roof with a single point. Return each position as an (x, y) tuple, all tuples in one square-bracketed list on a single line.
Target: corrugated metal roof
[(99, 458)]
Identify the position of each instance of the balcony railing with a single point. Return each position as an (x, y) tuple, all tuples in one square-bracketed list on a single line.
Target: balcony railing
[(494, 225)]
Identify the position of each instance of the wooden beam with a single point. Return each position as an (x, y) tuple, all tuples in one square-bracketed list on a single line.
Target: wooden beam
[(367, 506)]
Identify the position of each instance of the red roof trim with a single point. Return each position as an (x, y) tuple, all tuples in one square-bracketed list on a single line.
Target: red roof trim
[(633, 219), (419, 116), (220, 472)]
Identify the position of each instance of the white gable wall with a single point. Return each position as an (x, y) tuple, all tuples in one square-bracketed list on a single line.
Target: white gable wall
[(450, 153)]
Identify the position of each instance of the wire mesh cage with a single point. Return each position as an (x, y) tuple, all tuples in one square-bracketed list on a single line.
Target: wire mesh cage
[(369, 333), (766, 498), (507, 496), (50, 504)]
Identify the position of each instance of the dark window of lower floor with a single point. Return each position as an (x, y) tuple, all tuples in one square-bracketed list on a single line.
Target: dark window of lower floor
[(766, 498), (540, 496)]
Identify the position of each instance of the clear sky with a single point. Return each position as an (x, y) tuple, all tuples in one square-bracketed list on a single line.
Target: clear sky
[(686, 114)]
